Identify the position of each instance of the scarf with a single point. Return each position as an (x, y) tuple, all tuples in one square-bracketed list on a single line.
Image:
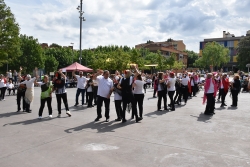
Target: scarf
[(206, 87)]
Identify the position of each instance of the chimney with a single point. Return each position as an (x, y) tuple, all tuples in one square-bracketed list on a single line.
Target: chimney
[(224, 34)]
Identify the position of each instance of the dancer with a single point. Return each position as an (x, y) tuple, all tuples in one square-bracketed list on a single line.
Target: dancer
[(46, 90), (61, 93), (138, 86), (10, 87), (90, 93), (160, 87), (3, 82), (171, 90), (21, 93), (117, 98), (81, 84), (223, 89), (235, 90)]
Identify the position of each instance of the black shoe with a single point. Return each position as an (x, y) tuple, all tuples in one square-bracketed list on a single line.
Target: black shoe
[(124, 120), (224, 104), (159, 110), (172, 109), (107, 120), (169, 105), (118, 119), (138, 119), (89, 106), (213, 113), (76, 104), (154, 96), (166, 109), (28, 111), (97, 119), (233, 106)]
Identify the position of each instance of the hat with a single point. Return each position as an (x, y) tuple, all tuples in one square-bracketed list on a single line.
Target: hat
[(28, 76)]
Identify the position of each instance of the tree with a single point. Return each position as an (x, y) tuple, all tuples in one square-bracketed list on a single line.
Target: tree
[(161, 61), (32, 54), (243, 49), (171, 60), (213, 55), (51, 64), (192, 57), (9, 31)]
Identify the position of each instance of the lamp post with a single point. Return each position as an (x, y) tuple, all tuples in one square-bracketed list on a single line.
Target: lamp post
[(79, 8)]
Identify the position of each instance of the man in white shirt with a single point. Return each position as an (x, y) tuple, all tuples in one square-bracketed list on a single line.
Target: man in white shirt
[(81, 84), (105, 88), (184, 87)]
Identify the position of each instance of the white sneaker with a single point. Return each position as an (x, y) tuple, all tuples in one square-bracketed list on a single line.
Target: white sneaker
[(40, 117), (59, 116), (50, 116), (68, 113)]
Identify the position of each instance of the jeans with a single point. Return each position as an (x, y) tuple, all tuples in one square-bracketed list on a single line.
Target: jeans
[(223, 95), (235, 97), (95, 88), (126, 99), (3, 90), (100, 101), (139, 99), (184, 92), (43, 101), (82, 91), (19, 96), (59, 101)]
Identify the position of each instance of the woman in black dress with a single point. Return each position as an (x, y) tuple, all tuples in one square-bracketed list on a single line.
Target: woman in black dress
[(235, 89)]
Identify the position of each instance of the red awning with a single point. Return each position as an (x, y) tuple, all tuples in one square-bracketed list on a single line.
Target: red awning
[(78, 67)]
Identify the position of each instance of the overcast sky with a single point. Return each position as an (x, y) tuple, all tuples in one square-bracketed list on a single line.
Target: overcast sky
[(130, 22)]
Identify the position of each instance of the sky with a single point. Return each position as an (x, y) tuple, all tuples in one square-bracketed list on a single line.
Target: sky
[(130, 22)]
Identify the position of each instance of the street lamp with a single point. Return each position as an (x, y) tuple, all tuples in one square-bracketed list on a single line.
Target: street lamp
[(79, 8)]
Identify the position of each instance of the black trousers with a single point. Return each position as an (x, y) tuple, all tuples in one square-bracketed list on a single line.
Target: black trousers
[(210, 103), (139, 99), (95, 88), (194, 90), (145, 87), (162, 94), (43, 101), (154, 92), (90, 98), (235, 97), (14, 90), (171, 97), (184, 92), (59, 98), (177, 96), (20, 96), (3, 90), (223, 95), (118, 108), (100, 101), (126, 99)]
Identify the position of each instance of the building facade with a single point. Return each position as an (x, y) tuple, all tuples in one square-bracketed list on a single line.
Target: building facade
[(231, 42), (167, 48)]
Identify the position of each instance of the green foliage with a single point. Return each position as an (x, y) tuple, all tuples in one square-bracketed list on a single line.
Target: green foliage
[(192, 57), (171, 60), (9, 40), (32, 54), (243, 56), (50, 64), (213, 54)]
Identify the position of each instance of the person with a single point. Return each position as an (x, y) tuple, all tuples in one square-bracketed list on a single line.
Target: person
[(171, 90), (223, 89), (89, 89), (21, 93), (155, 86), (184, 87), (138, 86), (117, 98), (10, 75), (29, 93), (15, 77), (160, 86), (61, 93), (177, 98), (235, 89), (46, 97), (209, 94), (105, 88), (3, 82), (81, 84), (125, 85), (10, 87)]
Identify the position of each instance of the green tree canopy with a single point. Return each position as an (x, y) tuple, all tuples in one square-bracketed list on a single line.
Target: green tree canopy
[(192, 57), (50, 64), (213, 54), (243, 57), (9, 31), (32, 54)]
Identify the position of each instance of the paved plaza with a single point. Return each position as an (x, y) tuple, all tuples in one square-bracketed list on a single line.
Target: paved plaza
[(183, 138)]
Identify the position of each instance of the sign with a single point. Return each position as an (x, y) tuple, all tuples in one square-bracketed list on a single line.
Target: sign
[(51, 73), (248, 65)]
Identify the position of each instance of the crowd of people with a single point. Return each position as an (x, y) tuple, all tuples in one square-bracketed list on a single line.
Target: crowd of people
[(128, 89)]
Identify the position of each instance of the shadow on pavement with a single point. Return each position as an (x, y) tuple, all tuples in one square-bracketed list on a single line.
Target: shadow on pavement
[(157, 113), (101, 126), (31, 121), (203, 118), (232, 108), (9, 114)]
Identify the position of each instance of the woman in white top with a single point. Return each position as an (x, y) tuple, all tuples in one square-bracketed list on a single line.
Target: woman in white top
[(10, 87), (171, 90), (90, 93), (117, 98), (138, 86), (3, 82)]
